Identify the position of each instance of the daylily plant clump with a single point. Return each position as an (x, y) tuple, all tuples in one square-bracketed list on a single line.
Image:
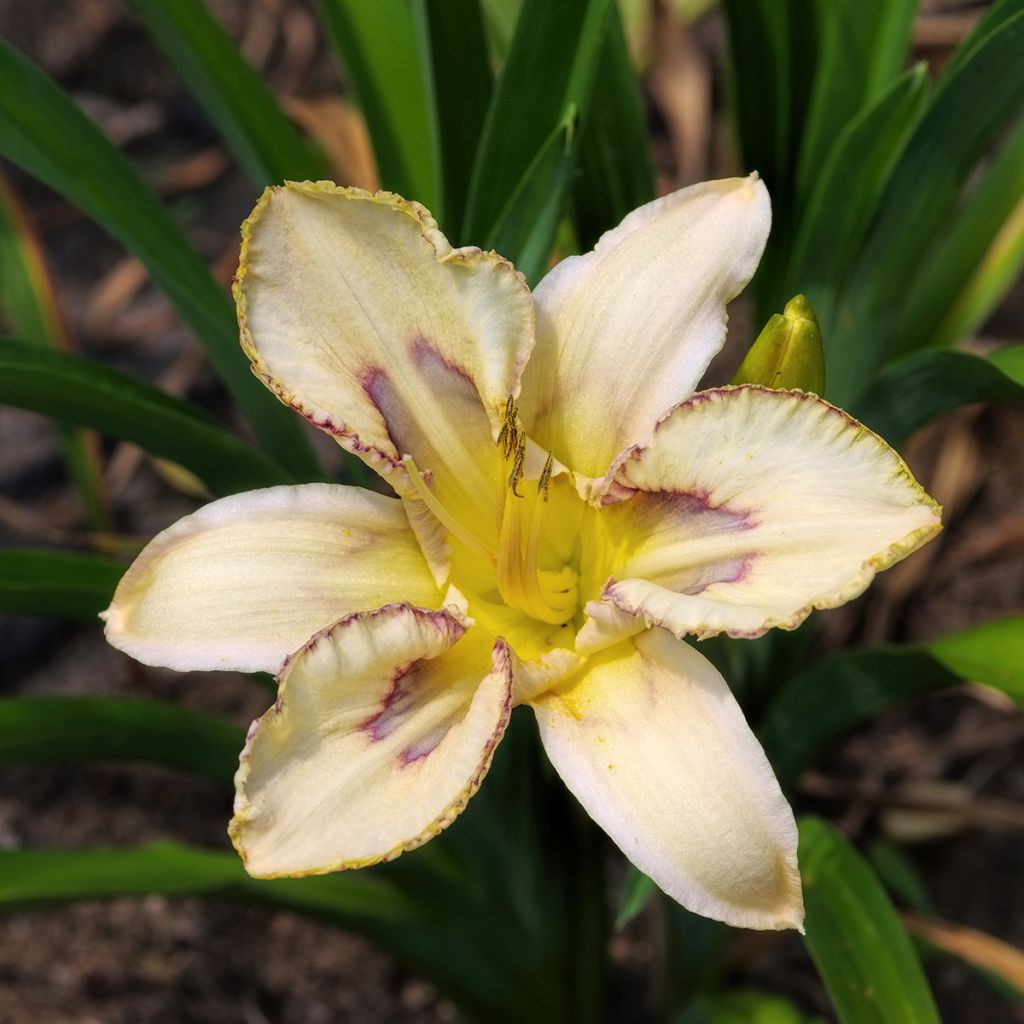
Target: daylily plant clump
[(568, 511)]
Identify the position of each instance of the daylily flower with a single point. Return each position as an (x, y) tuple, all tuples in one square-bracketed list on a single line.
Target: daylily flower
[(568, 510)]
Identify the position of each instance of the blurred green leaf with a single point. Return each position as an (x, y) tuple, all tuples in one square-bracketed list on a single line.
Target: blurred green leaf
[(77, 728), (847, 189), (527, 224), (47, 135), (847, 688), (86, 393), (899, 874), (971, 106), (57, 584), (863, 47), (994, 17), (615, 173), (637, 891), (453, 48), (500, 18), (357, 899), (919, 388), (29, 308), (541, 94), (1010, 359), (974, 260), (377, 47), (857, 942), (773, 60), (839, 693), (992, 653), (745, 1006), (232, 93)]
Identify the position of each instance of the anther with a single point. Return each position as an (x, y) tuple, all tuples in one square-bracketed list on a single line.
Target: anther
[(517, 465), (508, 437), (545, 476)]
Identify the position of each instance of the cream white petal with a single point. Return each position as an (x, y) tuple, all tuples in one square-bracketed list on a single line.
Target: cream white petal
[(384, 727), (248, 579), (653, 745), (626, 331), (752, 507), (356, 311)]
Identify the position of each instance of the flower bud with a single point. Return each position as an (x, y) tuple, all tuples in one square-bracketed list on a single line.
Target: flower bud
[(788, 352)]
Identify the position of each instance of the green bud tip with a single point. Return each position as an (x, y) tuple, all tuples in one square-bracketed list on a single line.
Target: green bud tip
[(788, 353)]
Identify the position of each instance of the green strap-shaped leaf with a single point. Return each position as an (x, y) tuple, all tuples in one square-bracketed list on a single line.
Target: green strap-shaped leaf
[(235, 97), (78, 728), (857, 941), (993, 18), (637, 891), (615, 174), (546, 84), (773, 58), (528, 223), (850, 687), (47, 135), (848, 186), (86, 393), (992, 653), (377, 46), (971, 106), (32, 877), (974, 261), (920, 387), (29, 309), (453, 48), (740, 1006), (863, 47), (57, 584)]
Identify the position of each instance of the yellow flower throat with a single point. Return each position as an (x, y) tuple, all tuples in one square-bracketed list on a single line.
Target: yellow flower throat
[(522, 562)]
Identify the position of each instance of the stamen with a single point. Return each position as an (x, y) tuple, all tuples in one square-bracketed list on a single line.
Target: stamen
[(544, 482), (517, 465), (424, 493), (548, 595)]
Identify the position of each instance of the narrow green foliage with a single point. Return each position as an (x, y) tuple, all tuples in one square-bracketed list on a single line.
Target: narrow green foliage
[(234, 96), (86, 393), (857, 941), (77, 728), (56, 584), (32, 877), (847, 187), (29, 309), (895, 868), (914, 390), (826, 701), (862, 48), (376, 45), (741, 1006), (528, 222), (636, 894), (972, 105), (976, 257), (992, 653), (542, 93), (774, 52), (615, 174), (47, 135), (453, 48)]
